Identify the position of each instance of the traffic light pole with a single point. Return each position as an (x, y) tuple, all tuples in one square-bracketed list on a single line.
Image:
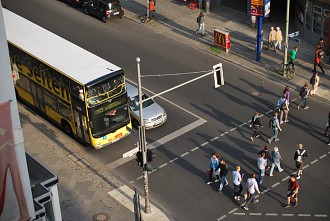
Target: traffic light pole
[(286, 42), (142, 140)]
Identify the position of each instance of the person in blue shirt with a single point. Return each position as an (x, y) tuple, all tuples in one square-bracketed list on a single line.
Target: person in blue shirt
[(214, 168), (275, 126)]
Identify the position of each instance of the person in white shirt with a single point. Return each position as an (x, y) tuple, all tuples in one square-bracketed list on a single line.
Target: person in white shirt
[(252, 188), (237, 179)]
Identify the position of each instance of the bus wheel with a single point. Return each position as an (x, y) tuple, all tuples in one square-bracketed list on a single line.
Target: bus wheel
[(135, 123), (66, 128)]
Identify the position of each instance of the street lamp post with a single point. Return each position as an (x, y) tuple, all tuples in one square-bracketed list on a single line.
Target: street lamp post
[(286, 44), (142, 140)]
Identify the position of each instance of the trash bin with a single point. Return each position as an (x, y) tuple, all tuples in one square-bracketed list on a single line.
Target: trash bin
[(222, 39)]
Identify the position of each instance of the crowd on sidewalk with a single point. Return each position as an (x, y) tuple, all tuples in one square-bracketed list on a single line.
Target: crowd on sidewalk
[(266, 159)]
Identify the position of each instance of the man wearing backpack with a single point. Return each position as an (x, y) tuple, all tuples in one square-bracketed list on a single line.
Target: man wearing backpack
[(314, 81), (283, 105), (304, 92), (319, 54), (275, 126), (200, 22), (299, 158), (255, 124)]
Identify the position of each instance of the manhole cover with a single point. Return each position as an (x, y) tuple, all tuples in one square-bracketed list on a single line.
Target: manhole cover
[(101, 217), (255, 93)]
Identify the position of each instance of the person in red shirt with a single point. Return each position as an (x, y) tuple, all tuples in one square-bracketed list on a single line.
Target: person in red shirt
[(292, 191), (152, 8), (319, 53)]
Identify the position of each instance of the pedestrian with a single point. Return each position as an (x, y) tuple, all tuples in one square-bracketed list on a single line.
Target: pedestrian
[(272, 39), (287, 93), (299, 158), (314, 81), (279, 38), (293, 189), (321, 44), (292, 56), (284, 110), (152, 8), (267, 155), (252, 188), (327, 126), (304, 93), (275, 126), (318, 58), (214, 168), (276, 161), (223, 173), (237, 181), (262, 164), (200, 22), (255, 124)]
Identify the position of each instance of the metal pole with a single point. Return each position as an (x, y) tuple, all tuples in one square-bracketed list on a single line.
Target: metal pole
[(259, 38), (143, 143), (285, 60), (148, 10)]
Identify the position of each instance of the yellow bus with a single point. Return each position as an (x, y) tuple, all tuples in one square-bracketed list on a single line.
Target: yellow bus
[(79, 91)]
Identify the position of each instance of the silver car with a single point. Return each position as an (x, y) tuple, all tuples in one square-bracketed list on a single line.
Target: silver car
[(153, 114)]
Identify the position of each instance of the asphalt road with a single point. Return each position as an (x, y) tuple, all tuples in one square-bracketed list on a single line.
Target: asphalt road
[(178, 184)]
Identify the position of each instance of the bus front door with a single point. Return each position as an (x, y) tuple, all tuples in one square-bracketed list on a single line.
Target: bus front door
[(81, 126), (38, 98)]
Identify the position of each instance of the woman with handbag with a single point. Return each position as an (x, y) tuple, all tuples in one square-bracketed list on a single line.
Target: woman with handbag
[(214, 168)]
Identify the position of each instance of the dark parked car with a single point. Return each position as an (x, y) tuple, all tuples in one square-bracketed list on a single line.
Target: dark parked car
[(104, 9)]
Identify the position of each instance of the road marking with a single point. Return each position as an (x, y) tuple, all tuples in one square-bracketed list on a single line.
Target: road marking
[(269, 111), (314, 161), (213, 139), (306, 166), (304, 215), (204, 144), (324, 155), (224, 134), (171, 161), (233, 210), (255, 214), (265, 191), (159, 142), (242, 124), (131, 152), (239, 214), (271, 214), (285, 178), (140, 177), (161, 166), (321, 215), (287, 214), (232, 129), (276, 184), (196, 148), (184, 154), (222, 217)]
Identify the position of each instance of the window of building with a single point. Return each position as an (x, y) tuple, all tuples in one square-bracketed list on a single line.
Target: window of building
[(326, 20), (317, 20), (309, 15)]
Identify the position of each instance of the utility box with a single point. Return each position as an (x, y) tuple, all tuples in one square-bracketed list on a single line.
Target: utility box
[(222, 39)]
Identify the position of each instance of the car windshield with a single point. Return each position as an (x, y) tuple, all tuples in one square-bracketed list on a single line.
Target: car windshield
[(135, 102)]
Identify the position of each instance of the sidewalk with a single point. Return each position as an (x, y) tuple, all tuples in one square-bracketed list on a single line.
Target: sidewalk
[(177, 21)]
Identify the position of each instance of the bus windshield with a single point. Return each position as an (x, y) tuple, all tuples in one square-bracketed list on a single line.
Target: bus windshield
[(108, 117), (105, 90)]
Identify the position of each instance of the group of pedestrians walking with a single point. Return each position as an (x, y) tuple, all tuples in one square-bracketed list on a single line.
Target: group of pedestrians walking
[(275, 38)]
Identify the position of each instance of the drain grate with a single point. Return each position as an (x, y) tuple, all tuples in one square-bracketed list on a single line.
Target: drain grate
[(101, 216), (255, 93)]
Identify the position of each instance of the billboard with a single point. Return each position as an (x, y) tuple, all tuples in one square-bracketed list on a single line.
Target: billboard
[(260, 8)]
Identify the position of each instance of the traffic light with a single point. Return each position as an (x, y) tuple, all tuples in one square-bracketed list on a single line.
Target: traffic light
[(218, 75), (139, 158), (149, 155)]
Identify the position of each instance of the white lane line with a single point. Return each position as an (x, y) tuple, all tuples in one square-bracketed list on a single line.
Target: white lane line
[(184, 154), (314, 161), (171, 161), (287, 214), (215, 138), (329, 152), (131, 152), (154, 170), (304, 215), (276, 184), (242, 124), (265, 191), (232, 129), (255, 214), (140, 177), (221, 218), (285, 178), (196, 148), (271, 214), (124, 195), (269, 111), (233, 210), (321, 215), (161, 166), (224, 134), (159, 142), (239, 214), (324, 155), (204, 144), (305, 166)]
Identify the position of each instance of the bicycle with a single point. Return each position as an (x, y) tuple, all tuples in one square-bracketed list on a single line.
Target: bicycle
[(290, 73)]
